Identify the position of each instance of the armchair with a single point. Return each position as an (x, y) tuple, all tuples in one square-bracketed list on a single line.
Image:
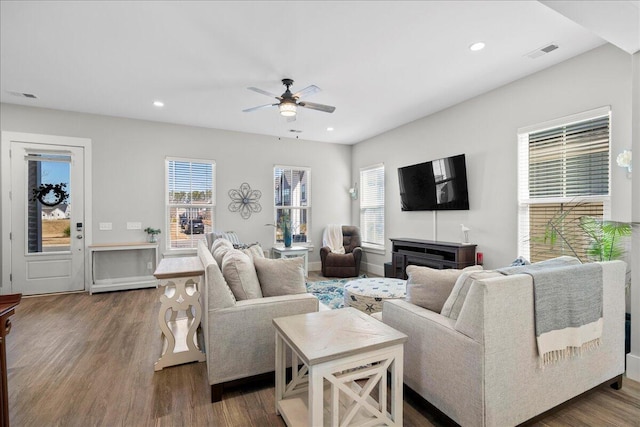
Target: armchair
[(347, 264)]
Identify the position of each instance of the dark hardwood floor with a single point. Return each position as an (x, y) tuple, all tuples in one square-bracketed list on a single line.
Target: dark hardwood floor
[(81, 360)]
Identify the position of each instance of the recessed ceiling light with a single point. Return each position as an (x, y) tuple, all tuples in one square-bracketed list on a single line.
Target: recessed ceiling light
[(477, 46), (158, 103), (329, 129)]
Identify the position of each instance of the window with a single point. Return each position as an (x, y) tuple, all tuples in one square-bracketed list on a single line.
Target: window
[(292, 199), (563, 175), (372, 206), (190, 201)]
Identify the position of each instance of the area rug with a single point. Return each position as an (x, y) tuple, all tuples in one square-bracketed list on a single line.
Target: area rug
[(330, 292)]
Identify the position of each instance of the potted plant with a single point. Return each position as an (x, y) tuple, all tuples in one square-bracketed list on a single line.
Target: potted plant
[(152, 233)]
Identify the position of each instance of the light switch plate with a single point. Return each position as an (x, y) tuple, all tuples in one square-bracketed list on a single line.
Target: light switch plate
[(134, 226), (106, 226)]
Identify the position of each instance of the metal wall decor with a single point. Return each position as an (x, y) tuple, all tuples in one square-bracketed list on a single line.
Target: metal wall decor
[(245, 200)]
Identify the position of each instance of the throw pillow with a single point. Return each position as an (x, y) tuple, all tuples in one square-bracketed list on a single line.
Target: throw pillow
[(430, 287), (281, 276), (219, 248), (240, 274), (453, 304), (254, 251)]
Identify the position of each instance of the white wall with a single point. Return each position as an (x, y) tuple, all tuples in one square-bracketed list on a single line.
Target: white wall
[(633, 359), (485, 128), (128, 170)]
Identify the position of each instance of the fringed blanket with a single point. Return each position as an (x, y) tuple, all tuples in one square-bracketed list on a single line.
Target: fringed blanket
[(568, 306), (333, 238)]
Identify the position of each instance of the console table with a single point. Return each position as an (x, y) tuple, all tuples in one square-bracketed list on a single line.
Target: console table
[(120, 266), (8, 304), (180, 277), (430, 254)]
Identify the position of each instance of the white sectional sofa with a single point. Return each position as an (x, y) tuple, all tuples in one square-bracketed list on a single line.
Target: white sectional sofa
[(482, 369), (239, 335)]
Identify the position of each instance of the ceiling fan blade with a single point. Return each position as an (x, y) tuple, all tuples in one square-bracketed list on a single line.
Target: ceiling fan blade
[(248, 110), (309, 90), (319, 107), (264, 92)]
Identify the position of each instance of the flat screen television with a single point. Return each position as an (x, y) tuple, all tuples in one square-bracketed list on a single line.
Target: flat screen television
[(434, 186)]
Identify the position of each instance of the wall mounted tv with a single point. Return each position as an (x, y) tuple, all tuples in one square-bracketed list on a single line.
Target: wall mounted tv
[(436, 185)]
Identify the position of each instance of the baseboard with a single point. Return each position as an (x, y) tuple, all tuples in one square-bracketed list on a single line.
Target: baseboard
[(315, 266), (378, 270), (633, 367)]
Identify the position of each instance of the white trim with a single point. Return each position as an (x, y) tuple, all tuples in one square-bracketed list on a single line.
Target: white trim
[(375, 166), (566, 120), (373, 249), (5, 190)]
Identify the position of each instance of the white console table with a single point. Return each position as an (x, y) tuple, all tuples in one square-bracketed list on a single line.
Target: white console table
[(180, 278), (121, 266)]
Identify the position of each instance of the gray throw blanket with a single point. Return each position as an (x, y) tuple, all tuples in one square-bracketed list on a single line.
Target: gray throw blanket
[(568, 306)]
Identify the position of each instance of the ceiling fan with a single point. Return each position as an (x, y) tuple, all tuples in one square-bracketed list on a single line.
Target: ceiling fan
[(289, 102)]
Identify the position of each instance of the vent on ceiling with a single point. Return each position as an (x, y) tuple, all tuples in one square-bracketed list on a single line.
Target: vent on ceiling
[(23, 94), (542, 51)]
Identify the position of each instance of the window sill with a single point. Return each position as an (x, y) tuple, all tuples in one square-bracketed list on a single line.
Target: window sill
[(374, 249)]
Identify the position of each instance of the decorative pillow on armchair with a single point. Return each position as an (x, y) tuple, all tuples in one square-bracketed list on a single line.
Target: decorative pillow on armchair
[(430, 287), (281, 276)]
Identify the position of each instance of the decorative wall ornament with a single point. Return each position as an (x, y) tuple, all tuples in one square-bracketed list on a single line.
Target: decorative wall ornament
[(245, 200), (41, 194)]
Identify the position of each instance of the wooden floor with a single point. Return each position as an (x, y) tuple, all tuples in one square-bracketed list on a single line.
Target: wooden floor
[(81, 360)]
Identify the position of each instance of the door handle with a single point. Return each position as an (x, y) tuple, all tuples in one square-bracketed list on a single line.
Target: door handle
[(79, 236)]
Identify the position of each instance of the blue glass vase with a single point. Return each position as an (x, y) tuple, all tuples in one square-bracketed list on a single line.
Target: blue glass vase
[(287, 236)]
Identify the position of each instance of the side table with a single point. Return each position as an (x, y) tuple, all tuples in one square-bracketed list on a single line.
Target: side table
[(180, 278), (292, 252), (345, 355)]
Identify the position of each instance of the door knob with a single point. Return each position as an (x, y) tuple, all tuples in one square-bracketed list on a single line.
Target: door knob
[(79, 236)]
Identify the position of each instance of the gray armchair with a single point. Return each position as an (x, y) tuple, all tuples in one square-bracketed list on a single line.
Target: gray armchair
[(347, 264)]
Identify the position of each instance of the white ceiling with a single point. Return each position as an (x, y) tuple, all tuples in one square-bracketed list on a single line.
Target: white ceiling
[(381, 63)]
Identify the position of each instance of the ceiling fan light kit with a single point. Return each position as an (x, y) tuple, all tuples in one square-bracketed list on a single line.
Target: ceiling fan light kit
[(287, 109), (289, 102)]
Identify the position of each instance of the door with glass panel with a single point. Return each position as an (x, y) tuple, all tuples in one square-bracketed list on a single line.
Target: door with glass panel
[(47, 218)]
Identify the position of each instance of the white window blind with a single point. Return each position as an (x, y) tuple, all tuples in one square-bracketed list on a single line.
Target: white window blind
[(190, 201), (372, 205), (563, 175)]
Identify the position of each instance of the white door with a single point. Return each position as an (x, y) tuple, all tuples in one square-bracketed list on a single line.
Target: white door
[(47, 217)]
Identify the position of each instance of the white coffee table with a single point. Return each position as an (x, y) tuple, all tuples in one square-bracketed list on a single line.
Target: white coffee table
[(336, 348)]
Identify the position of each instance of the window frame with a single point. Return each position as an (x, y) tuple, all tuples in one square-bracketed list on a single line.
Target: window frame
[(168, 206), (523, 165), (305, 189), (378, 247)]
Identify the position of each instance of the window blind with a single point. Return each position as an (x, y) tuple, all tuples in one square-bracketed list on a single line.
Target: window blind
[(571, 160), (372, 204), (563, 172), (190, 201)]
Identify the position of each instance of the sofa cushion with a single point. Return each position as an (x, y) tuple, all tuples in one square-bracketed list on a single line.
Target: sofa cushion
[(219, 248), (254, 251), (430, 287), (454, 303), (240, 274), (281, 276)]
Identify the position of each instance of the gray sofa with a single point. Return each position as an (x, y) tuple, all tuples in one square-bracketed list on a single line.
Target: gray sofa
[(483, 369), (239, 335)]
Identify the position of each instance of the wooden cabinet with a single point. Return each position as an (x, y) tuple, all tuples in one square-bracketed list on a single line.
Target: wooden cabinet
[(429, 254)]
